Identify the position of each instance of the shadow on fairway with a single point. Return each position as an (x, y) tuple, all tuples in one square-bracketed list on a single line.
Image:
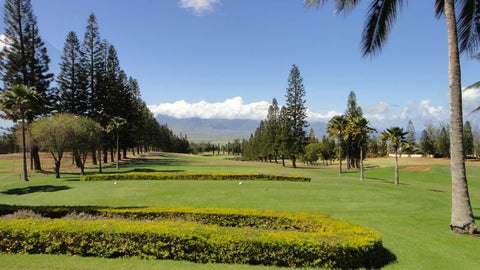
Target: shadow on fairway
[(386, 181), (33, 189)]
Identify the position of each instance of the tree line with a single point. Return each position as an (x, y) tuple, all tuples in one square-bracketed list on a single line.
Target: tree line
[(91, 83)]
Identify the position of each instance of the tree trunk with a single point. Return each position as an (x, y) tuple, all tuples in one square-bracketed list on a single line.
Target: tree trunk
[(37, 165), (340, 156), (94, 157), (283, 161), (462, 220), (25, 176), (117, 165), (294, 162), (124, 153), (397, 180), (99, 160), (105, 155), (112, 155), (57, 168), (362, 175)]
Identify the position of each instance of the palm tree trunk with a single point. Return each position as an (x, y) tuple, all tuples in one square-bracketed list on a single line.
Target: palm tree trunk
[(118, 152), (25, 176), (340, 156), (462, 220), (397, 180), (362, 175)]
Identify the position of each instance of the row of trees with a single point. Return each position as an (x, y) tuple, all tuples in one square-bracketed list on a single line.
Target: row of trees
[(91, 83), (283, 133)]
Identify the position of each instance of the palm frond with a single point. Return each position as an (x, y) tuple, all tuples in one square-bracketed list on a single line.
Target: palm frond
[(469, 25), (439, 5), (381, 16), (314, 3), (345, 5)]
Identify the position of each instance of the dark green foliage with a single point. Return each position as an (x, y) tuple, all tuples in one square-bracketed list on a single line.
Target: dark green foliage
[(411, 145), (189, 176), (468, 144), (443, 143), (427, 144), (234, 236), (25, 60), (296, 113), (72, 88)]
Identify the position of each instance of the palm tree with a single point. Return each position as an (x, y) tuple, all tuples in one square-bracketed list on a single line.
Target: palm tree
[(17, 103), (114, 126), (396, 137), (358, 129), (337, 126), (463, 35)]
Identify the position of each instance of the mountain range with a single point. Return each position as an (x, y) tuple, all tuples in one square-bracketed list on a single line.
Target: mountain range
[(220, 130)]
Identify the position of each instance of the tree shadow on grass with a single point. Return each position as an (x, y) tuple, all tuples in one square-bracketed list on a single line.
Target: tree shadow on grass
[(33, 189), (386, 181)]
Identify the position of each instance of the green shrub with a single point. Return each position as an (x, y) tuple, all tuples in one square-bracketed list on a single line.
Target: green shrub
[(198, 235), (189, 176)]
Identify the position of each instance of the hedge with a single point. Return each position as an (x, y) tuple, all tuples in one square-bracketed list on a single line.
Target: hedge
[(296, 240), (190, 176)]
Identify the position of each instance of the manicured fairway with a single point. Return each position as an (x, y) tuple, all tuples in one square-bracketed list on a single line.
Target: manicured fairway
[(413, 218)]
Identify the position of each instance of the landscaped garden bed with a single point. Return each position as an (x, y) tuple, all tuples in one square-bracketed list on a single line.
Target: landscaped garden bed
[(190, 176), (199, 235)]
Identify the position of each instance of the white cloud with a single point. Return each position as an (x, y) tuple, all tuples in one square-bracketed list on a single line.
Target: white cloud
[(471, 99), (199, 7), (314, 117), (234, 108)]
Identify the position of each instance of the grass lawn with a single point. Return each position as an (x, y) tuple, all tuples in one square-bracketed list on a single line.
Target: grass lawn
[(413, 218)]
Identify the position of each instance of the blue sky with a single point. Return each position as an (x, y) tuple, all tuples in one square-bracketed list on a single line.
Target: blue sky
[(229, 58)]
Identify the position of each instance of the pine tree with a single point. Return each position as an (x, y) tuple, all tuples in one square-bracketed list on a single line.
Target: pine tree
[(25, 60), (410, 138), (468, 139), (427, 144), (91, 63), (71, 80), (352, 150), (273, 128), (297, 114)]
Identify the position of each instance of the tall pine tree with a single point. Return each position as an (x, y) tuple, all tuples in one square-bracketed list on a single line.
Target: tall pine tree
[(297, 114), (25, 60), (91, 64), (71, 80)]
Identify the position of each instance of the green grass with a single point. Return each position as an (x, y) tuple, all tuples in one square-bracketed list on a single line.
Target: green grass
[(413, 218)]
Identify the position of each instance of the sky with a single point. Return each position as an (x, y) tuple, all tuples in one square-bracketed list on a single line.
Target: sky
[(230, 58)]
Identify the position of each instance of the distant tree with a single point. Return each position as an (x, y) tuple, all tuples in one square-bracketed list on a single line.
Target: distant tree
[(396, 137), (285, 136), (73, 97), (311, 136), (54, 134), (17, 103), (468, 139), (273, 128), (442, 145), (86, 137), (25, 60), (297, 114), (337, 127), (91, 64), (427, 143), (352, 151), (312, 152), (358, 129), (410, 138), (327, 151), (114, 126)]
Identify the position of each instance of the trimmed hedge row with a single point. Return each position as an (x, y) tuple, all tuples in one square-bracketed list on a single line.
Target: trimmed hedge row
[(296, 239), (190, 176)]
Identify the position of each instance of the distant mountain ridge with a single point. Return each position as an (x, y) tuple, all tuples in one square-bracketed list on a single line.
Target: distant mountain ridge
[(216, 130)]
